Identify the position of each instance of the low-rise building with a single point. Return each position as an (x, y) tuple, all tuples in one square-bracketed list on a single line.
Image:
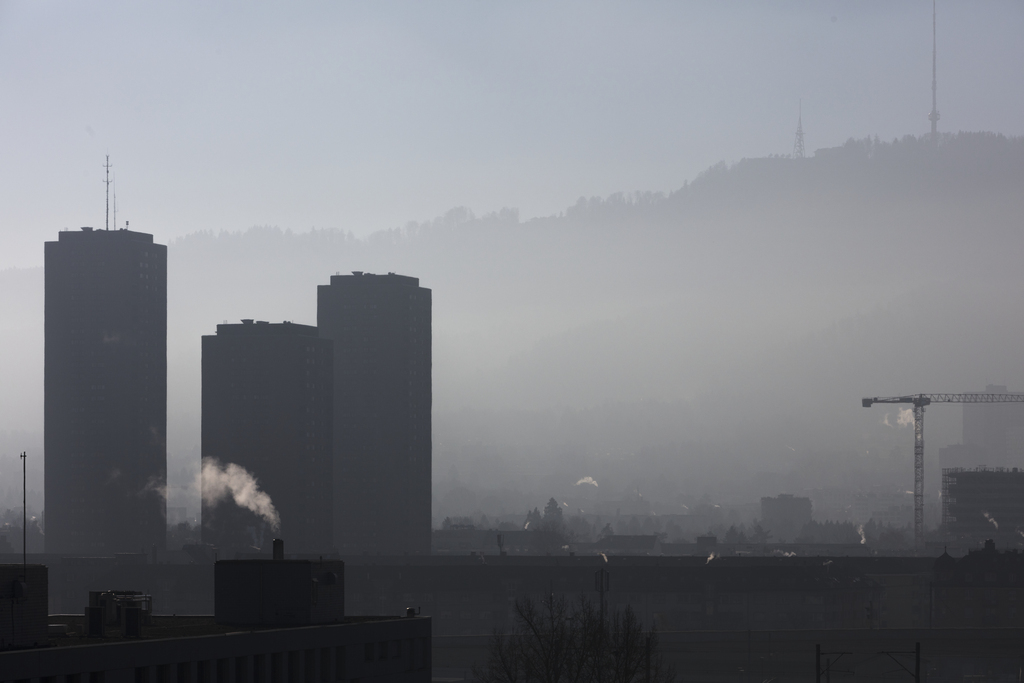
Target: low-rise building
[(985, 588), (275, 621)]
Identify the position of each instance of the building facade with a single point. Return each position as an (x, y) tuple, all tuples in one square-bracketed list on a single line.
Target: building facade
[(983, 503), (381, 329), (299, 634), (105, 392), (267, 396)]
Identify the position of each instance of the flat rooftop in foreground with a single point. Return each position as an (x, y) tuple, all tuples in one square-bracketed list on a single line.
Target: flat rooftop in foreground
[(173, 626)]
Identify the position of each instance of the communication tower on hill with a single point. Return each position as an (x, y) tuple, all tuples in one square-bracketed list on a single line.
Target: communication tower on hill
[(934, 115), (798, 144)]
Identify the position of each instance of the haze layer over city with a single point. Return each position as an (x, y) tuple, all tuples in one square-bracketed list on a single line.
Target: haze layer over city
[(641, 290)]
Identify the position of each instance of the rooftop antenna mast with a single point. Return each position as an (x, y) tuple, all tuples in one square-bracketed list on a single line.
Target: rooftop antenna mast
[(798, 145), (107, 181), (934, 115)]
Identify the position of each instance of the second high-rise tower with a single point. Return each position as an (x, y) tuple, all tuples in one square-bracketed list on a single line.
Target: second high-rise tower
[(381, 328)]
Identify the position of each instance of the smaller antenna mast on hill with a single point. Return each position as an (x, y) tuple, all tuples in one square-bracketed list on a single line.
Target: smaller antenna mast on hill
[(115, 201), (934, 115), (798, 144), (107, 181)]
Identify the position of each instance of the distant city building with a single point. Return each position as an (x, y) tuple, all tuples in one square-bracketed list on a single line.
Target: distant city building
[(891, 508), (993, 435), (105, 392), (995, 431), (381, 328), (267, 395), (785, 516), (983, 503)]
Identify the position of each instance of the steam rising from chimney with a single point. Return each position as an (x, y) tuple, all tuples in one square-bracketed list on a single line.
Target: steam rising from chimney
[(220, 481)]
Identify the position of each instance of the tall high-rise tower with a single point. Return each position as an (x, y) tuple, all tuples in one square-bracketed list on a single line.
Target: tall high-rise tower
[(381, 328), (934, 115), (267, 392), (105, 384)]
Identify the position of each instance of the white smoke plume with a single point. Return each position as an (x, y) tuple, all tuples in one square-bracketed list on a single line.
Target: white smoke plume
[(991, 519), (587, 480), (885, 420), (157, 485), (711, 557), (863, 538), (221, 481), (906, 417)]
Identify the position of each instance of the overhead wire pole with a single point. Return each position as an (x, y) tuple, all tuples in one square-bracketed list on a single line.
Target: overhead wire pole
[(919, 401), (24, 516)]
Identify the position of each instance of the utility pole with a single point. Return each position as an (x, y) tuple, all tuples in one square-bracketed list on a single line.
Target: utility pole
[(24, 517), (647, 657), (107, 181), (601, 584)]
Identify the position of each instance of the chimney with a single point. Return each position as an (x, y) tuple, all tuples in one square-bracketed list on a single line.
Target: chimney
[(278, 549)]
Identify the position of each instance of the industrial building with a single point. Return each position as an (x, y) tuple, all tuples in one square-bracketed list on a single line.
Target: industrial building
[(105, 387), (983, 503), (267, 396), (274, 621), (381, 329)]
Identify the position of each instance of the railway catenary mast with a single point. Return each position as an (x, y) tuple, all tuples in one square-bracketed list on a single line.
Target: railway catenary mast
[(919, 401)]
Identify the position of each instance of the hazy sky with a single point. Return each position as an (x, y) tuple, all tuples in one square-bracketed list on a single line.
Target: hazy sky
[(362, 116)]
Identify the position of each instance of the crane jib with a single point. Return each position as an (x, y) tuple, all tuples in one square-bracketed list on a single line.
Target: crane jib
[(928, 399)]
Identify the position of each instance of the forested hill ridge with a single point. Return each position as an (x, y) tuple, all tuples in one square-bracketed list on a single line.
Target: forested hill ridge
[(717, 331), (784, 245)]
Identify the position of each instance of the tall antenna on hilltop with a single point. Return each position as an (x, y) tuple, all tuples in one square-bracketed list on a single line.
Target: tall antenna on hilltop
[(798, 145), (107, 181), (115, 201), (934, 115)]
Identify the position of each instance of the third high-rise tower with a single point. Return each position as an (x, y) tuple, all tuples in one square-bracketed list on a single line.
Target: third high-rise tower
[(381, 328)]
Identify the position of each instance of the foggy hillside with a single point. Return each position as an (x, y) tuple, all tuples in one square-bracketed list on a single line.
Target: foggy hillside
[(715, 340)]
